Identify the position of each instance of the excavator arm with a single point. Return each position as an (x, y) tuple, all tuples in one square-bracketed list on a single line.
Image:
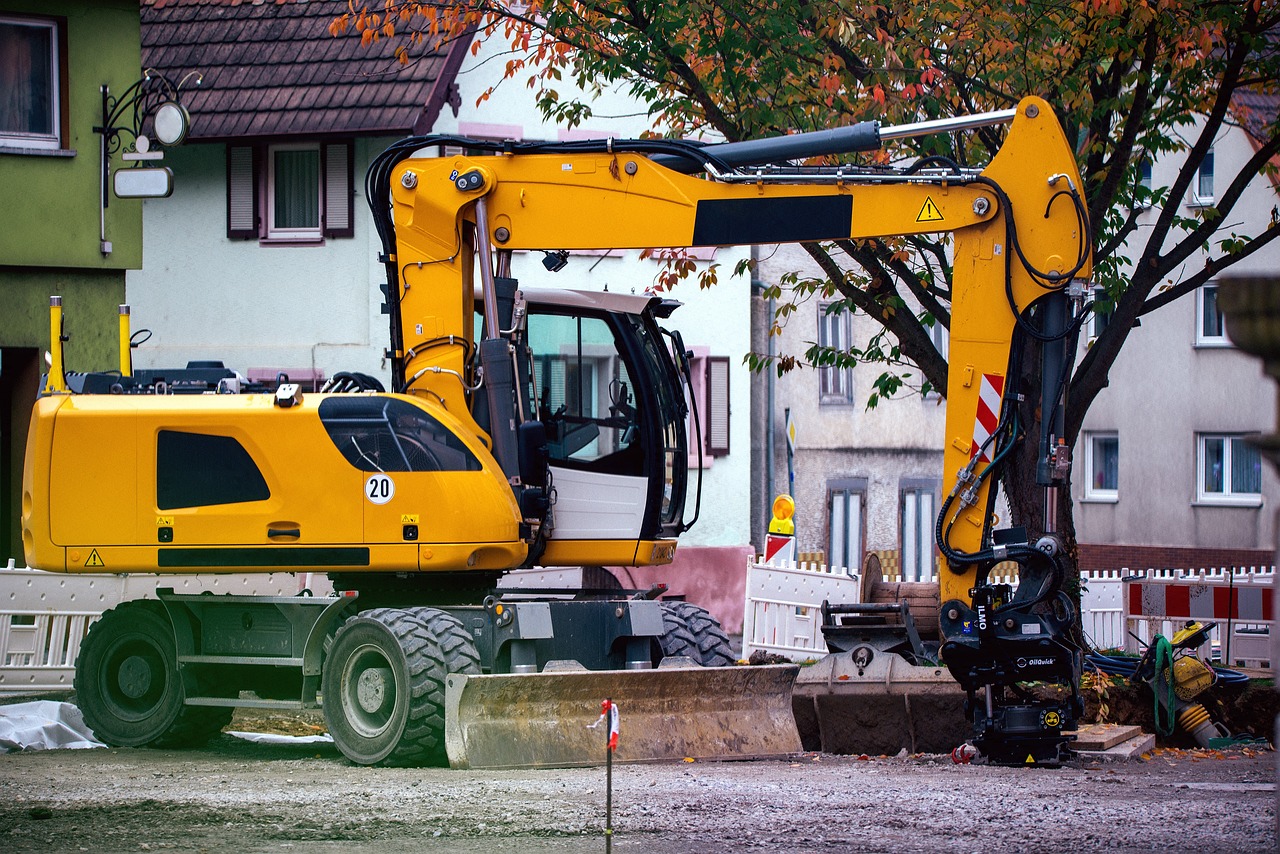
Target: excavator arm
[(1021, 255)]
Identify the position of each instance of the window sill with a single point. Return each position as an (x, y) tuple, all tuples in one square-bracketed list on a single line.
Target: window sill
[(38, 152), (1100, 499), (1200, 203), (1223, 343), (1244, 501), (291, 241)]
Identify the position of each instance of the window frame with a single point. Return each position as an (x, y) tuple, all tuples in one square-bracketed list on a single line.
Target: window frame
[(1198, 197), (23, 143), (1228, 496), (278, 232), (922, 539), (835, 383), (250, 196), (851, 556), (1092, 492), (1203, 339)]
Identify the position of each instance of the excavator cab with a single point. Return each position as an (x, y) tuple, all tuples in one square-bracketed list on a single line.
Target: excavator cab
[(613, 409)]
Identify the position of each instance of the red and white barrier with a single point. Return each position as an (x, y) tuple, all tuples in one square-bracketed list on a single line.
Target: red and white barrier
[(1241, 602)]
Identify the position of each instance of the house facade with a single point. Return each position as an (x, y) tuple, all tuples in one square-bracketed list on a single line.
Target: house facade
[(1164, 474), (864, 480), (64, 235)]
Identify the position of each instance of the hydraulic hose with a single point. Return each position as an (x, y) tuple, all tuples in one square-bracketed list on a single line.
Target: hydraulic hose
[(1116, 665)]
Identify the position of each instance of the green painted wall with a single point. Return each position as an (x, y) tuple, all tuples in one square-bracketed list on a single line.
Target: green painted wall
[(49, 241), (53, 202), (90, 300)]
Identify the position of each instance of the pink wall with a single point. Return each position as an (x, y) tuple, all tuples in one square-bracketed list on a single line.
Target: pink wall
[(714, 577)]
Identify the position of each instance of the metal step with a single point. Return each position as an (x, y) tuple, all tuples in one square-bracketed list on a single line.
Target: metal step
[(273, 660)]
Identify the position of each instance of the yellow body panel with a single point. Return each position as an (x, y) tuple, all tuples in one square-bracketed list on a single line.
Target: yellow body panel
[(98, 498), (982, 323), (609, 552)]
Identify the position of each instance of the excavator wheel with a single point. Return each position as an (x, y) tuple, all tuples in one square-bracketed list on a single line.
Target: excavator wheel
[(459, 650), (383, 689), (677, 639), (710, 643), (128, 687)]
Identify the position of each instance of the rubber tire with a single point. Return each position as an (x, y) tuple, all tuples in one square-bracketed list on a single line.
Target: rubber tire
[(134, 643), (403, 665), (677, 638), (459, 650), (710, 641)]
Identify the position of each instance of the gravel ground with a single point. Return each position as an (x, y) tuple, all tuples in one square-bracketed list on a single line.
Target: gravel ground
[(237, 796)]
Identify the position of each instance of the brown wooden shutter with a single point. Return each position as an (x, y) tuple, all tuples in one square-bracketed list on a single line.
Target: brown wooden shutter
[(717, 418), (242, 192), (339, 213)]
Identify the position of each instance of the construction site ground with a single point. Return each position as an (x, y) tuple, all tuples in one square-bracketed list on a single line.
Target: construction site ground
[(234, 795)]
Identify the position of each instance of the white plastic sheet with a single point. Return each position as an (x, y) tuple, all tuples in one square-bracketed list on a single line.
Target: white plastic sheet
[(43, 725)]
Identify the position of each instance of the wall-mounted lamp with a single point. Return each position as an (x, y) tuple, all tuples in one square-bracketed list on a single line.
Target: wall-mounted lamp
[(156, 99)]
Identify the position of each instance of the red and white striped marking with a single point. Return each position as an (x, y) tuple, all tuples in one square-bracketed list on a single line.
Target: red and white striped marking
[(1247, 602), (989, 392), (779, 548)]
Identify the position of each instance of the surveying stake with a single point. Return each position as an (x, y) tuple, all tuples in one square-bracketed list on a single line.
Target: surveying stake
[(609, 714)]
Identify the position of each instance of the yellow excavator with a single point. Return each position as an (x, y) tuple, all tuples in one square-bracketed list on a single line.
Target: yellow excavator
[(542, 428)]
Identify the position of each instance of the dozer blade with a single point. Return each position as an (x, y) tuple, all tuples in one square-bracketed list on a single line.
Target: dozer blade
[(877, 703), (540, 720)]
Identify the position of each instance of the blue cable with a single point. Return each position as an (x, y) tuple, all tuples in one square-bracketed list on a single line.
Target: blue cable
[(1114, 665)]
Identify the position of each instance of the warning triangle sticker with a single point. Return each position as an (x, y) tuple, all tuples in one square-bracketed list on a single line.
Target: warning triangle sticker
[(94, 559), (930, 212)]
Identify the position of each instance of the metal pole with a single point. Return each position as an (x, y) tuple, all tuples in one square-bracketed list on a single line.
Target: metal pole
[(977, 120), (608, 781), (484, 249), (791, 469)]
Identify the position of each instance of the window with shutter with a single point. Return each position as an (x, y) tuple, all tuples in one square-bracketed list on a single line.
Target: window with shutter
[(242, 192), (717, 401), (918, 502), (290, 192), (338, 197)]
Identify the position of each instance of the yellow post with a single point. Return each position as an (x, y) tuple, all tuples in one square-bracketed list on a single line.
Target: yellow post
[(57, 382), (126, 353)]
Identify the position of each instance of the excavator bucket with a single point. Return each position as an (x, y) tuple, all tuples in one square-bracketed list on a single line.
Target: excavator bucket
[(878, 703), (542, 720)]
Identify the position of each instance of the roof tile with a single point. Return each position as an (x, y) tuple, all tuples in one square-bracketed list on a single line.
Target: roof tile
[(273, 69)]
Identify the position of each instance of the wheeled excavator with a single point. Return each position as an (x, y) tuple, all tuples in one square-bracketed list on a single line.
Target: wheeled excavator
[(541, 428)]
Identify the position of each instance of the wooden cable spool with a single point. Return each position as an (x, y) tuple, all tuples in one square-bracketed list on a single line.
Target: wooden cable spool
[(921, 597)]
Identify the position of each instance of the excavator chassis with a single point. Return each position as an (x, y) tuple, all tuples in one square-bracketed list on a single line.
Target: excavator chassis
[(488, 686)]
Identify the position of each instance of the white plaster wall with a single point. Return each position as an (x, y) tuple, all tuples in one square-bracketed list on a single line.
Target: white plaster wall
[(1164, 390), (204, 296)]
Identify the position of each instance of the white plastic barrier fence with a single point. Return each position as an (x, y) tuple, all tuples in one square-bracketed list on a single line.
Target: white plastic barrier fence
[(782, 605), (1240, 600), (782, 617), (45, 615)]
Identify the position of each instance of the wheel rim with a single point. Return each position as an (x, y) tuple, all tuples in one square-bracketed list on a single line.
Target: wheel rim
[(369, 690), (135, 678)]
